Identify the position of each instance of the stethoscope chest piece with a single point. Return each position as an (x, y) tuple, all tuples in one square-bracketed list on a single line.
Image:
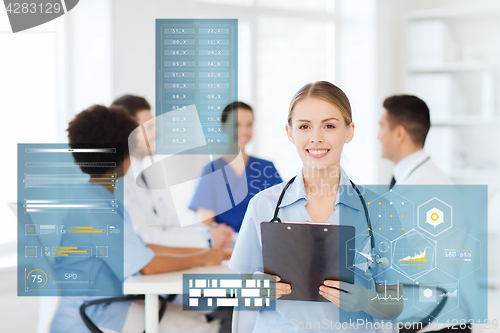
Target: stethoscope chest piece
[(375, 260)]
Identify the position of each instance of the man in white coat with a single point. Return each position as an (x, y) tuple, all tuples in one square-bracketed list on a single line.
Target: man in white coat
[(151, 210), (404, 125), (403, 128)]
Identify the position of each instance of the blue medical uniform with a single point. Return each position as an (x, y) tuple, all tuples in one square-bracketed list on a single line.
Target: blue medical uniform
[(106, 273), (211, 192), (293, 316)]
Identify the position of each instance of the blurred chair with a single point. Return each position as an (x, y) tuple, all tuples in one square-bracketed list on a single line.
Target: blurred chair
[(94, 329)]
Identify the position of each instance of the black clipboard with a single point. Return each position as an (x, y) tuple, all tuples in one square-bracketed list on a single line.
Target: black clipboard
[(305, 255)]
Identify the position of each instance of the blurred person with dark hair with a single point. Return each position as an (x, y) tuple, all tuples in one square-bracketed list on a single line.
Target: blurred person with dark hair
[(151, 211), (403, 129), (260, 174), (99, 127)]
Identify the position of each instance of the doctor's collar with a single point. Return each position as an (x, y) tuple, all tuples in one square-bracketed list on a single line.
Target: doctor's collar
[(297, 191)]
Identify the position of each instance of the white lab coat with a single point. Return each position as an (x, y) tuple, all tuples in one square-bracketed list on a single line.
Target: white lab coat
[(162, 227), (428, 173)]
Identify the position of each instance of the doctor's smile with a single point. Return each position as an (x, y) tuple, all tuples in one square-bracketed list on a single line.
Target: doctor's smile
[(317, 153)]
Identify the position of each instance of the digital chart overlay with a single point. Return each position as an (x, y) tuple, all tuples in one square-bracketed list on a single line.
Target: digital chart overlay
[(70, 230), (196, 64)]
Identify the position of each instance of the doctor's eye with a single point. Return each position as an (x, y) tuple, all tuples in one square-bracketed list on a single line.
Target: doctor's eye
[(330, 126), (304, 127)]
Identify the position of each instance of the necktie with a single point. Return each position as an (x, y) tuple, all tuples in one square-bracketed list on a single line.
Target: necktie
[(393, 182), (146, 183)]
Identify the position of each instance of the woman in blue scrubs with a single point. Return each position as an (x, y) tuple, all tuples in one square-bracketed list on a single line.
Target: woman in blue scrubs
[(319, 125), (255, 175)]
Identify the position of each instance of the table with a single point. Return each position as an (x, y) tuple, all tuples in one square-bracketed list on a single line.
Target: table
[(166, 283)]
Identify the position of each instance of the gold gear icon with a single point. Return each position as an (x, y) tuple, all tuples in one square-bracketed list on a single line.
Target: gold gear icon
[(434, 216)]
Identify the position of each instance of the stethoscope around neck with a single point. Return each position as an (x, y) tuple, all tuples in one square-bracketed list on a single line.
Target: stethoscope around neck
[(374, 257)]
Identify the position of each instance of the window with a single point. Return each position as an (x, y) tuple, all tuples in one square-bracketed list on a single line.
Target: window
[(28, 104)]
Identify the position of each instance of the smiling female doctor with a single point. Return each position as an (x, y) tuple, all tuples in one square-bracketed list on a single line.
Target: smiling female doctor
[(319, 124)]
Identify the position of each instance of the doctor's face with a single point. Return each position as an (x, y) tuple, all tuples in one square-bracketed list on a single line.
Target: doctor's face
[(386, 136), (145, 118), (319, 133), (244, 126)]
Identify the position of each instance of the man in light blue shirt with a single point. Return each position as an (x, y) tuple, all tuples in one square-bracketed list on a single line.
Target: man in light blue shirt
[(107, 273)]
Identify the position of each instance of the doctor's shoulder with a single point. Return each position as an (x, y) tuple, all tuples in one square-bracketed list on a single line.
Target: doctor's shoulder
[(428, 174), (265, 201), (211, 166)]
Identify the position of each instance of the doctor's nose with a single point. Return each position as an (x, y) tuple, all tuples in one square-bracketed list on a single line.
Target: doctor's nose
[(316, 137)]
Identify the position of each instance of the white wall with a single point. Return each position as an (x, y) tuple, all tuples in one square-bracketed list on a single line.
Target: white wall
[(85, 72), (388, 68), (134, 47), (357, 76)]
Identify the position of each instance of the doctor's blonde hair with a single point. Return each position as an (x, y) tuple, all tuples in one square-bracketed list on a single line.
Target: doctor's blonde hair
[(325, 91)]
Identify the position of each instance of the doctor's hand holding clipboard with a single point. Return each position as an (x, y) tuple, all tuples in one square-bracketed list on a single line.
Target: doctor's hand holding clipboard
[(319, 124)]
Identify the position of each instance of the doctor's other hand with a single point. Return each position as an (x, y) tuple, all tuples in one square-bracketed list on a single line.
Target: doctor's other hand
[(212, 257), (348, 297), (279, 287), (221, 235)]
